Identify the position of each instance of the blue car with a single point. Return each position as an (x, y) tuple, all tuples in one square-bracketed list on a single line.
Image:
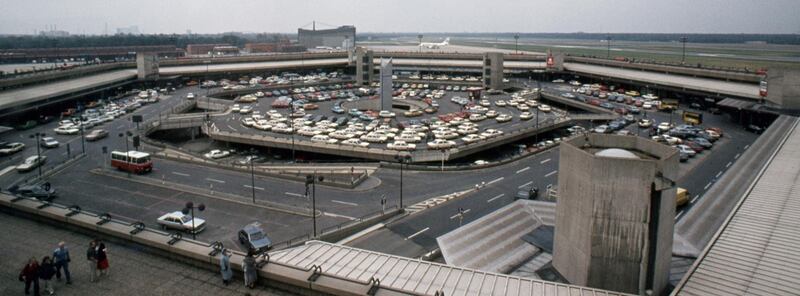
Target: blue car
[(337, 110), (607, 106)]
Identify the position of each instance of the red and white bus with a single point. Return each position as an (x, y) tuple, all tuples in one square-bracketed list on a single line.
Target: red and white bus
[(133, 161)]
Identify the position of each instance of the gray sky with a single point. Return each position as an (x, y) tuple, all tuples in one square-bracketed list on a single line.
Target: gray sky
[(602, 16)]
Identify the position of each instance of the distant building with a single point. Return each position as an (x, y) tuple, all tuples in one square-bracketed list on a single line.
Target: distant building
[(54, 33), (132, 30), (225, 50), (277, 46), (342, 37), (201, 49), (615, 213)]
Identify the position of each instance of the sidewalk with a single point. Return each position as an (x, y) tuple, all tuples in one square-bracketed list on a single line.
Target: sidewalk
[(132, 272)]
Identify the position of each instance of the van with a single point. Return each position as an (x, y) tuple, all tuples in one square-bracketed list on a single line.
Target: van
[(681, 197)]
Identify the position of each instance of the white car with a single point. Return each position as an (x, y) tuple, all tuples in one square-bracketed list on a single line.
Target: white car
[(447, 135), (485, 103), (217, 154), (466, 130), (532, 103), (644, 122), (341, 135), (526, 116), (472, 138), (190, 96), (355, 142), (31, 163), (246, 110), (503, 118), (477, 117), (492, 114), (386, 114), (523, 107), (49, 142), (282, 128), (235, 108), (664, 126), (323, 139), (402, 146), (408, 138), (441, 144), (66, 130), (500, 103), (558, 81), (247, 121), (686, 150), (11, 148), (491, 133), (647, 105), (374, 138), (602, 129), (545, 108), (568, 95), (180, 221)]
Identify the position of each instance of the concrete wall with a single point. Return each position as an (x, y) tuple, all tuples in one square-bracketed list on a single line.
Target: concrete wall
[(783, 87), (147, 66), (605, 231)]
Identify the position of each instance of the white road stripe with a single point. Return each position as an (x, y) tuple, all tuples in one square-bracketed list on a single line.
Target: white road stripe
[(495, 181), (257, 188), (496, 197), (737, 156), (707, 185), (233, 128), (337, 216), (695, 198), (718, 174), (456, 215), (522, 170), (728, 165), (345, 203), (8, 169), (523, 185), (120, 126), (418, 233), (551, 173), (679, 215), (294, 194), (180, 174), (747, 146), (544, 161), (215, 180)]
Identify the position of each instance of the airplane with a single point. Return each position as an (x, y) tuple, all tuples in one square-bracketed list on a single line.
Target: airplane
[(431, 45)]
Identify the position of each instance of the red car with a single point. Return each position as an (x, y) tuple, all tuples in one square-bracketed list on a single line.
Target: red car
[(595, 102), (696, 147), (621, 111)]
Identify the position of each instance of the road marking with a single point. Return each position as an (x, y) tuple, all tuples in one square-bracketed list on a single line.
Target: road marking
[(233, 128), (695, 198), (257, 188), (8, 169), (456, 215), (746, 146), (737, 156), (679, 215), (495, 181), (551, 173), (718, 174), (707, 185), (522, 170), (180, 174), (496, 197), (120, 126), (523, 185), (544, 161), (294, 194), (418, 233), (337, 216), (215, 180), (345, 203), (728, 165)]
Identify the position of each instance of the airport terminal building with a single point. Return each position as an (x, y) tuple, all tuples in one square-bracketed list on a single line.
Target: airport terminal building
[(343, 37)]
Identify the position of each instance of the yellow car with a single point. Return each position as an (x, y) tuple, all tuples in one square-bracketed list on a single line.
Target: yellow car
[(681, 197)]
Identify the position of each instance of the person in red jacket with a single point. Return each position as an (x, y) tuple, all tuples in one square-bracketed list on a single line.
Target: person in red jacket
[(30, 274)]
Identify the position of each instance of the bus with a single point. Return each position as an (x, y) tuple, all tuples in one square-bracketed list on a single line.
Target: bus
[(132, 161)]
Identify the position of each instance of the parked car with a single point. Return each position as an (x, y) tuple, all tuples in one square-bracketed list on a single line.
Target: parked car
[(217, 154), (31, 163), (97, 134), (180, 221), (253, 237), (11, 148), (39, 191), (48, 142)]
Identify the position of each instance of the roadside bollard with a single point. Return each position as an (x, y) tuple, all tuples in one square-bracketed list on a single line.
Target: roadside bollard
[(211, 187)]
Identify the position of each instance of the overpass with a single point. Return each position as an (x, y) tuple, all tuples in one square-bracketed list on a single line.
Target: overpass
[(705, 82)]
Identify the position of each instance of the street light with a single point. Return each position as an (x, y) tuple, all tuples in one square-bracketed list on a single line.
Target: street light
[(402, 159), (126, 135), (38, 137), (208, 86), (516, 43), (190, 209), (311, 180), (683, 40)]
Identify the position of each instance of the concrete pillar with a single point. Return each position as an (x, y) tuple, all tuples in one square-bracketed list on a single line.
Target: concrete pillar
[(493, 70), (365, 70), (147, 66), (386, 85), (783, 88)]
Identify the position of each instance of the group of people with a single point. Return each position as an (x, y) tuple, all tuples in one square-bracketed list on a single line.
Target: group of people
[(248, 267), (35, 271)]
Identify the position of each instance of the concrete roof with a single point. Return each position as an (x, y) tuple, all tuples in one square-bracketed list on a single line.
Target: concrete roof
[(239, 67), (755, 250), (695, 83), (413, 276), (24, 95)]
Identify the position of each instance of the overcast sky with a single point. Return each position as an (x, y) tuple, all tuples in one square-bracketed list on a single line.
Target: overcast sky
[(602, 16)]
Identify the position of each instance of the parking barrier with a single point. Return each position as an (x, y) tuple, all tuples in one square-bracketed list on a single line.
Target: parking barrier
[(174, 238), (264, 260), (216, 248), (316, 272), (104, 218), (73, 210), (137, 227), (43, 205), (375, 284)]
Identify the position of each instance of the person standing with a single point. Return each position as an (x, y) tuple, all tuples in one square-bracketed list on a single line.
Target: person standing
[(102, 258), (249, 268), (61, 258), (46, 273), (91, 257), (30, 275), (225, 266)]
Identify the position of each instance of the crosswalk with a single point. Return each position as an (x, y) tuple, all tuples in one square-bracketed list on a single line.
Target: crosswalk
[(432, 202)]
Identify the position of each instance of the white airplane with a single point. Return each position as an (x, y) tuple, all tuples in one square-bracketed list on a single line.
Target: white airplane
[(432, 45)]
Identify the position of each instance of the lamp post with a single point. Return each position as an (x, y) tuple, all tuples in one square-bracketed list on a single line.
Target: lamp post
[(38, 137), (608, 44), (419, 37), (127, 158), (312, 180), (683, 40), (253, 178), (516, 43), (208, 87), (190, 209), (402, 159)]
